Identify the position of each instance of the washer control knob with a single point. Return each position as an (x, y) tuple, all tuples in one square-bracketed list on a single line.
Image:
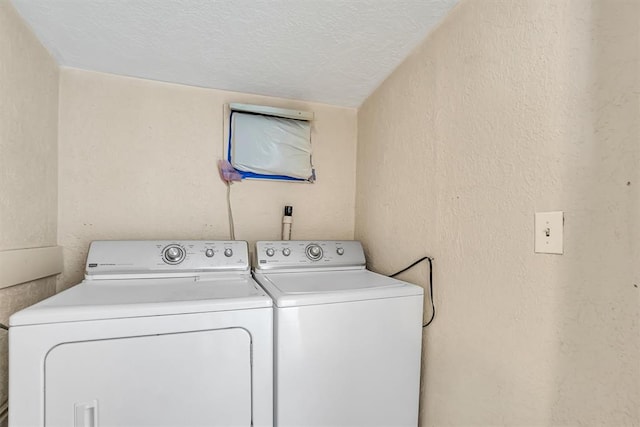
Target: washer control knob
[(340, 251), (209, 253), (228, 252), (286, 252), (314, 252), (270, 252), (173, 254)]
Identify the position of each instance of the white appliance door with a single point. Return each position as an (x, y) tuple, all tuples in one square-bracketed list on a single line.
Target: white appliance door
[(200, 378)]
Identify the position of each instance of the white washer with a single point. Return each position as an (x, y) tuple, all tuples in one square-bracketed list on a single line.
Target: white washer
[(347, 341), (160, 333)]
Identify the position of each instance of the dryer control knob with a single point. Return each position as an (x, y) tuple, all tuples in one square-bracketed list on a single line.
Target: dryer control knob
[(270, 252), (228, 252), (286, 252), (314, 252), (340, 251), (209, 253)]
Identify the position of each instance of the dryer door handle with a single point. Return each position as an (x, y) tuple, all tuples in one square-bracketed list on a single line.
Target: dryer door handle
[(86, 414)]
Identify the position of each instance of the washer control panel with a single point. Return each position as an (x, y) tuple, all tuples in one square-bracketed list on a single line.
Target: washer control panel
[(287, 254), (135, 257)]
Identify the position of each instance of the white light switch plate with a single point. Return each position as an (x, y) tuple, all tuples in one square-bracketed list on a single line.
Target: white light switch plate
[(549, 232)]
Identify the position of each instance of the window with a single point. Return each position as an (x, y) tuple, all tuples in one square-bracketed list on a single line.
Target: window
[(270, 143)]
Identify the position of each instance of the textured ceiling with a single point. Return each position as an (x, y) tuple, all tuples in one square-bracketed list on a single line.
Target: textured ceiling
[(331, 51)]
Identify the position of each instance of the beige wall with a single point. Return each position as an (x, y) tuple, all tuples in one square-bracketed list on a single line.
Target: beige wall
[(508, 108), (138, 161), (28, 159)]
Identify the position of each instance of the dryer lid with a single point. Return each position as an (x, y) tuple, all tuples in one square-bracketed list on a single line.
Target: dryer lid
[(310, 288), (116, 299)]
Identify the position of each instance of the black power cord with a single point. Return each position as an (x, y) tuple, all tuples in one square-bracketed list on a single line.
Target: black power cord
[(3, 326), (433, 307)]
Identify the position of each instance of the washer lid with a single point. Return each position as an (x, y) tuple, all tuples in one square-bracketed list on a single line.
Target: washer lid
[(326, 287), (116, 299)]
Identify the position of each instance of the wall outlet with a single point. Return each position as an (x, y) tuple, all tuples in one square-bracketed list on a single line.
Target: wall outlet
[(549, 232)]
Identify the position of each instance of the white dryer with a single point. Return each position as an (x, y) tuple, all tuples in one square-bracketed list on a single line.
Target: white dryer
[(347, 341), (160, 333)]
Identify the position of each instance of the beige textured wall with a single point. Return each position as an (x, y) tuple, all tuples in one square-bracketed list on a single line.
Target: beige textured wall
[(28, 159), (508, 108), (138, 160)]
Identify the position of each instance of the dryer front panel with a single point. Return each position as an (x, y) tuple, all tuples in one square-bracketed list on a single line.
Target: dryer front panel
[(200, 378)]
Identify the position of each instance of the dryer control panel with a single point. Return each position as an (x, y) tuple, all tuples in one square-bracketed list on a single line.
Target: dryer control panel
[(108, 258), (287, 254)]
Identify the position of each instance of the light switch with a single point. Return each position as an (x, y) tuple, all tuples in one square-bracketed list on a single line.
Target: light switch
[(549, 232)]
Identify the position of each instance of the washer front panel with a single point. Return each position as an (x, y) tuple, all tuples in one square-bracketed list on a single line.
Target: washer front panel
[(351, 364)]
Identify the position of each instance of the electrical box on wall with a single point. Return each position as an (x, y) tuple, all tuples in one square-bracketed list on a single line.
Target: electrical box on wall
[(270, 143)]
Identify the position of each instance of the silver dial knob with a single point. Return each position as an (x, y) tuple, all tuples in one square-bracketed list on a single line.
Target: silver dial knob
[(228, 252), (286, 252), (340, 251), (270, 252), (209, 253), (173, 254), (314, 252)]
